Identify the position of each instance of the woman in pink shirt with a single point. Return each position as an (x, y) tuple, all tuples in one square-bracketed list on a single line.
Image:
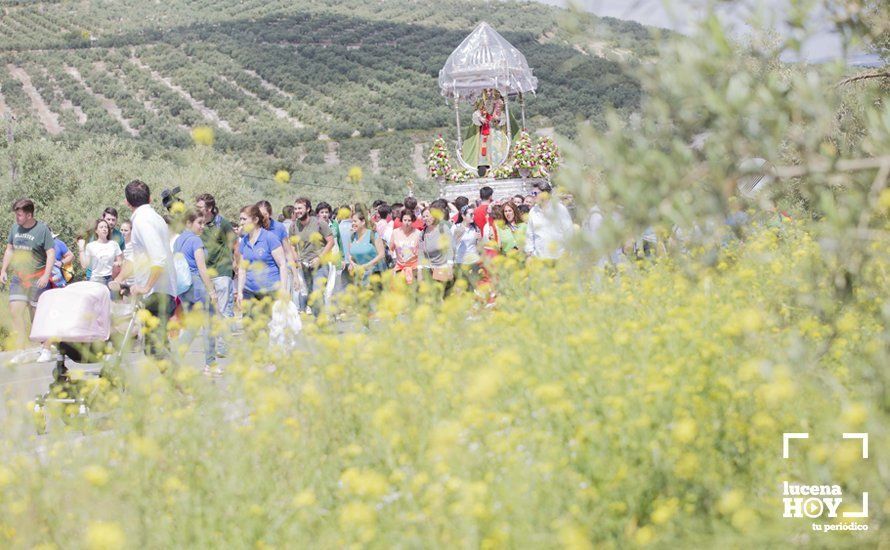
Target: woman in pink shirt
[(405, 245)]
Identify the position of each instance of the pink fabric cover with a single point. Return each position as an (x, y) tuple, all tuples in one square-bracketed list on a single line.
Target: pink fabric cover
[(80, 312)]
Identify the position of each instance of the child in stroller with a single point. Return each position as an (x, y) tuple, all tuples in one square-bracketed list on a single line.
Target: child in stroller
[(81, 320)]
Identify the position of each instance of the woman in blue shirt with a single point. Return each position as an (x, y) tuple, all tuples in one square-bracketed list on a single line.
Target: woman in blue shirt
[(365, 250), (261, 270), (189, 244), (269, 223)]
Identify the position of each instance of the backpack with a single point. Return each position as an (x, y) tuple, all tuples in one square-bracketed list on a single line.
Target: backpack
[(383, 264), (388, 260), (181, 268)]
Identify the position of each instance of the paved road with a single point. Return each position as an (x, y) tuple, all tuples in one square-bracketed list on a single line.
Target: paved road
[(21, 383)]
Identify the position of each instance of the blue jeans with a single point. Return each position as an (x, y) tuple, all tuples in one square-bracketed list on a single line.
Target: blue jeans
[(315, 280), (194, 298), (224, 289)]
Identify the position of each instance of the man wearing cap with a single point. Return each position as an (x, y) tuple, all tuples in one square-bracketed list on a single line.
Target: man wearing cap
[(549, 226)]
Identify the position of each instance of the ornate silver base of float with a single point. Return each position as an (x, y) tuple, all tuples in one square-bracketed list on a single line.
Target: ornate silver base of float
[(502, 188)]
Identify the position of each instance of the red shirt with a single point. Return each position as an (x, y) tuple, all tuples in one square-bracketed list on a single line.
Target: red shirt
[(480, 216), (418, 224)]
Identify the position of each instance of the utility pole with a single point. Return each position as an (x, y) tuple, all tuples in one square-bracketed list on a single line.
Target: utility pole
[(10, 143)]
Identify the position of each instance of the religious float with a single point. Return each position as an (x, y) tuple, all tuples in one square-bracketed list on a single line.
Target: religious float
[(488, 74)]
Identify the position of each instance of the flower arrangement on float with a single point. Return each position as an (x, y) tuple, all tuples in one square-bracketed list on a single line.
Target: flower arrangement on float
[(547, 155), (524, 155), (504, 171), (461, 176), (438, 161)]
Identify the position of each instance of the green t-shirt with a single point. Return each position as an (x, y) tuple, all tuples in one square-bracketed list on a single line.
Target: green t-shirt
[(511, 238), (309, 241), (218, 238), (30, 247)]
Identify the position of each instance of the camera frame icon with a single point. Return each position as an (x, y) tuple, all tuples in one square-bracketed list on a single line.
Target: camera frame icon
[(863, 437)]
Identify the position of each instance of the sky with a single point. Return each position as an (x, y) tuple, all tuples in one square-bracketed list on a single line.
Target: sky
[(680, 15)]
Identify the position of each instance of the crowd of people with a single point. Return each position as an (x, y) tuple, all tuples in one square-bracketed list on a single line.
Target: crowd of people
[(195, 258)]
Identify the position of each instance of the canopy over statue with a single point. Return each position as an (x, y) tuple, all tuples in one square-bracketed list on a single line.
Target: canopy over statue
[(485, 60), (486, 70)]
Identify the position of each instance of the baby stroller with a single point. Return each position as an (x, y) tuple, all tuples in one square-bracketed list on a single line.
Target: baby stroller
[(85, 324)]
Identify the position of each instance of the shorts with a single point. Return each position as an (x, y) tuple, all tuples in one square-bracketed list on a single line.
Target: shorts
[(18, 292)]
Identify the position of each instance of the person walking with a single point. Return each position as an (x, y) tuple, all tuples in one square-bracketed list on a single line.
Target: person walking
[(324, 213), (511, 230), (124, 279), (269, 223), (27, 267), (62, 268), (405, 246), (436, 247), (366, 250), (384, 224), (466, 252), (220, 241), (100, 256), (313, 241), (200, 298), (410, 205), (549, 226), (287, 215), (480, 214), (110, 217), (262, 266), (155, 279)]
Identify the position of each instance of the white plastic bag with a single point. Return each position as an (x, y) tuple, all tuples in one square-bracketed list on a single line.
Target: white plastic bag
[(285, 325), (183, 273), (298, 288), (331, 284)]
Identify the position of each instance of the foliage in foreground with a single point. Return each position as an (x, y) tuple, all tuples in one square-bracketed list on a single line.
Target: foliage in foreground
[(644, 406)]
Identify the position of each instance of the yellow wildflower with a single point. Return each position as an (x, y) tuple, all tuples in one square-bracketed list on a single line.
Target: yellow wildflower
[(282, 176), (202, 135), (104, 535)]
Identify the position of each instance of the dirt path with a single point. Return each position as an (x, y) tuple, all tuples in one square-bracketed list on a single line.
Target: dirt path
[(49, 119), (419, 161), (278, 112), (273, 88), (206, 112), (107, 104), (374, 154), (3, 108), (268, 85), (78, 112), (79, 115), (332, 153)]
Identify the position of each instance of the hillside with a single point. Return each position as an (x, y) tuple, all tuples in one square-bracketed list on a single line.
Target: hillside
[(308, 86)]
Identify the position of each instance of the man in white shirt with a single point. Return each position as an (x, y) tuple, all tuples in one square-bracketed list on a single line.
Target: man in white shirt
[(549, 226), (152, 263)]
